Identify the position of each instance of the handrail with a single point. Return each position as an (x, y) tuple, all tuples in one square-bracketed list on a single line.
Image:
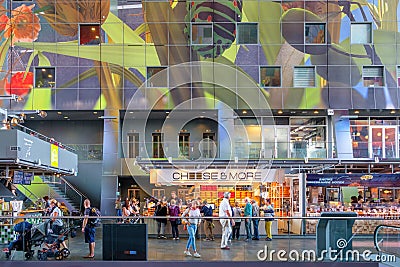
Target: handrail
[(376, 231), (30, 192), (73, 188)]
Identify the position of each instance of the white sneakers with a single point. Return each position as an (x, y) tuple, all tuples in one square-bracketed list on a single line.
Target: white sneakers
[(187, 253), (196, 254)]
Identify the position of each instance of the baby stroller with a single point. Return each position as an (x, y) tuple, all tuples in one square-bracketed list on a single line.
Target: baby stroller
[(41, 234), (23, 241)]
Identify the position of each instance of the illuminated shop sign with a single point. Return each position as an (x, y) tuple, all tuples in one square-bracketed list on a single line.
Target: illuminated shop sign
[(368, 180), (229, 176)]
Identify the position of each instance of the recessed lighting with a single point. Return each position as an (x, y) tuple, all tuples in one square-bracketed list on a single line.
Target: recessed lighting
[(393, 111), (167, 112), (130, 112), (280, 111), (66, 117), (59, 113), (201, 117), (244, 112), (356, 112), (316, 111), (32, 117), (94, 112)]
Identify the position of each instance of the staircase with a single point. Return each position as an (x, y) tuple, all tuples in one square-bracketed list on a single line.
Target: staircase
[(63, 191)]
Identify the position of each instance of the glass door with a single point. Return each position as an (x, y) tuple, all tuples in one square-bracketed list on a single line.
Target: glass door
[(275, 142), (383, 142), (158, 150)]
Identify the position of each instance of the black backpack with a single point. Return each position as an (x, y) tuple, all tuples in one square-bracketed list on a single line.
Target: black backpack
[(96, 214)]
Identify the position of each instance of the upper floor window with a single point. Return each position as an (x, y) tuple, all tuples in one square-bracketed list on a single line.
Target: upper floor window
[(202, 33), (247, 33), (45, 77), (304, 76), (157, 76), (373, 76), (314, 33), (361, 33), (89, 34), (270, 76)]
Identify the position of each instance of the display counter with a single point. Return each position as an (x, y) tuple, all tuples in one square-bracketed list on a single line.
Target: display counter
[(364, 226)]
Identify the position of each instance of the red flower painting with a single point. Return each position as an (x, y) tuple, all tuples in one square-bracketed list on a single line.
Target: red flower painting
[(19, 85)]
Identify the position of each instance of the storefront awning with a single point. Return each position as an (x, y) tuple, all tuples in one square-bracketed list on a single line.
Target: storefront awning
[(366, 180)]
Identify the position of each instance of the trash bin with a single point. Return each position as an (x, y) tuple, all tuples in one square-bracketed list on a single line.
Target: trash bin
[(334, 236), (125, 242)]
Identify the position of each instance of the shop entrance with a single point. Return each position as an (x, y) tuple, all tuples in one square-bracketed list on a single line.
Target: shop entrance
[(383, 142)]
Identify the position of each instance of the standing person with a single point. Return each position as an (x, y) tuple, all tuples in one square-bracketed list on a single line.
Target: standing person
[(207, 211), (178, 201), (162, 211), (192, 218), (225, 213), (174, 211), (56, 221), (237, 212), (256, 213), (118, 208), (248, 212), (269, 217), (88, 229)]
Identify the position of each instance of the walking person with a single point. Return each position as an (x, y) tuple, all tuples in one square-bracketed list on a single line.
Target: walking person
[(248, 213), (237, 212), (174, 211), (88, 229), (225, 213), (162, 211), (269, 218), (207, 211), (118, 209), (255, 220), (192, 218)]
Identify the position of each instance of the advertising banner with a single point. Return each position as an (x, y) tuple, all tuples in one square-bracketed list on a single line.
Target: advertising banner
[(367, 180)]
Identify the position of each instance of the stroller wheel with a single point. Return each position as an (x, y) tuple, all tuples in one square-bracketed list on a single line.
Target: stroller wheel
[(42, 256), (58, 256), (65, 252), (28, 255)]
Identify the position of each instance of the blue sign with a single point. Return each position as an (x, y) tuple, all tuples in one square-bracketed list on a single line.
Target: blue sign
[(366, 180), (28, 178), (18, 177)]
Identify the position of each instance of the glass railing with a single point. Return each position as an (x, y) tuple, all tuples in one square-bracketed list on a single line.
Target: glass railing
[(335, 239), (88, 151), (240, 150), (387, 239)]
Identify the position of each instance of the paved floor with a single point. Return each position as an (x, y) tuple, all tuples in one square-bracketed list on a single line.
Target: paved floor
[(172, 250)]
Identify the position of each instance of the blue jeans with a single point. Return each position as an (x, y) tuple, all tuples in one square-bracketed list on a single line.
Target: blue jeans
[(247, 225), (192, 239), (255, 228)]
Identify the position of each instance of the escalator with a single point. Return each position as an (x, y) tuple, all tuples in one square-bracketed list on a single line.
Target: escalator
[(387, 242)]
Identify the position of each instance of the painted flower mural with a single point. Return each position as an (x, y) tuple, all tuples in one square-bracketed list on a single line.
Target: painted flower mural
[(23, 26), (20, 83), (160, 34)]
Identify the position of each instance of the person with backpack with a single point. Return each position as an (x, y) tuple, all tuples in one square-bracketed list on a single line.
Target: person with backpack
[(207, 211), (89, 229), (174, 211)]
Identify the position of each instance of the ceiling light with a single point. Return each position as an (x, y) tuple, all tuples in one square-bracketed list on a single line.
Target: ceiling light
[(244, 112), (280, 111), (66, 117), (393, 111), (59, 113), (31, 117), (94, 112), (356, 112), (316, 112)]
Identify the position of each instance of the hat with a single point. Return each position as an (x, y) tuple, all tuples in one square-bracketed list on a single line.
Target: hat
[(227, 194)]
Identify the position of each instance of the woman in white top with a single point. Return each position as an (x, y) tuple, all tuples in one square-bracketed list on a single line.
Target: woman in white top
[(237, 212), (192, 218)]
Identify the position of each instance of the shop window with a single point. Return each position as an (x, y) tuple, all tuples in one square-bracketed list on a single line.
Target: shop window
[(361, 33), (133, 145), (184, 145), (270, 76), (247, 33), (202, 33), (89, 34), (398, 75), (158, 150), (158, 193), (314, 33), (157, 77), (373, 76), (304, 76), (45, 77)]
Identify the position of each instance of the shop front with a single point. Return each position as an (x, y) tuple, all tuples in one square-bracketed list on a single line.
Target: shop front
[(370, 195)]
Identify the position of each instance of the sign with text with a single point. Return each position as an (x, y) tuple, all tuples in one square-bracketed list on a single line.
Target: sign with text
[(219, 176), (54, 155), (367, 180), (21, 177)]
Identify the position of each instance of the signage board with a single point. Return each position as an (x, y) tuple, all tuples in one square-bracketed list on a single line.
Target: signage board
[(367, 180)]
